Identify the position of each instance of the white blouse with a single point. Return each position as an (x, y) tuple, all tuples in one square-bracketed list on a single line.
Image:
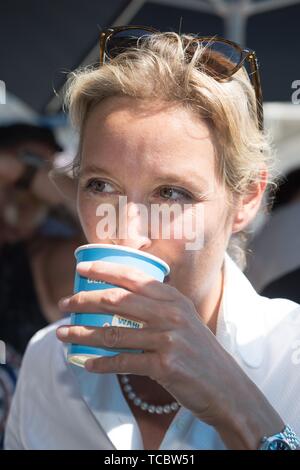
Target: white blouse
[(61, 406)]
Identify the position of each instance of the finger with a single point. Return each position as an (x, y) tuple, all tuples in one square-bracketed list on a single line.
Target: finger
[(147, 339), (126, 276), (117, 301), (126, 363)]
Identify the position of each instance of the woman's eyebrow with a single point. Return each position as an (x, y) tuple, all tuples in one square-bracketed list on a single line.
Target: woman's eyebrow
[(194, 181), (189, 180), (93, 169)]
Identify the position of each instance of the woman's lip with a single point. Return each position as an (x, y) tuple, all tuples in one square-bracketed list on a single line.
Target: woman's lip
[(167, 279)]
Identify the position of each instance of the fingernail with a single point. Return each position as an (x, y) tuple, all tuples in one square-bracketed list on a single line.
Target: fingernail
[(63, 331), (85, 265)]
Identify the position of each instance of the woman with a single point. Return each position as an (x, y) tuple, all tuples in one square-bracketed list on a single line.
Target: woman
[(166, 120)]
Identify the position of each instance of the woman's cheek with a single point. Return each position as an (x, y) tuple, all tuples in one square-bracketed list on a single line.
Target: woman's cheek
[(216, 231), (188, 227)]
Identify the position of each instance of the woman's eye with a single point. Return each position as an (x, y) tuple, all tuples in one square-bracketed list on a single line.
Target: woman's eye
[(167, 193), (99, 186), (174, 194)]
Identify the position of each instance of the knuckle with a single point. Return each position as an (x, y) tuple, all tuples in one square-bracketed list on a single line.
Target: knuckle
[(165, 362), (135, 279), (121, 362), (160, 310), (111, 336), (76, 331), (113, 297), (167, 340), (177, 316), (79, 298), (92, 269), (165, 370)]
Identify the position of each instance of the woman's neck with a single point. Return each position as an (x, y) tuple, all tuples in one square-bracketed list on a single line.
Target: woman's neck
[(210, 308)]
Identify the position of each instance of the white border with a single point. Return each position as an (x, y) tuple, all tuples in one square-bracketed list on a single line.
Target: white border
[(125, 248)]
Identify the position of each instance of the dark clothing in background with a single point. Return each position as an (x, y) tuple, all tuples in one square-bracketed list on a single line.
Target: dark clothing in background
[(20, 312), (287, 287)]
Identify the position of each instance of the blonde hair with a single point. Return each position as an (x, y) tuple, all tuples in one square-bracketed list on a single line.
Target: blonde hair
[(158, 69)]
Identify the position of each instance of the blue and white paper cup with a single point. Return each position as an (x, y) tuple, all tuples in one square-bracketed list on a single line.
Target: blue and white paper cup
[(149, 264)]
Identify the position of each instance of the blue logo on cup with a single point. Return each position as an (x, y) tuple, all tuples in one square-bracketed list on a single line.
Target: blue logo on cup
[(149, 264)]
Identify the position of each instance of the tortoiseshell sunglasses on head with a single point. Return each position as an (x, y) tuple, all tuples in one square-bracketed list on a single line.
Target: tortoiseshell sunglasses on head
[(222, 58)]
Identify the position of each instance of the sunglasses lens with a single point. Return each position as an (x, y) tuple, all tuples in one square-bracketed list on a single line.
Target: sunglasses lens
[(122, 40), (220, 59)]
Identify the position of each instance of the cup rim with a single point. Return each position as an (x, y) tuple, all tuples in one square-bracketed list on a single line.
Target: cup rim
[(125, 248)]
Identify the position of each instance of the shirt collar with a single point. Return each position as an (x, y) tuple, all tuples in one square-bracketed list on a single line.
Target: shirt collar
[(103, 396)]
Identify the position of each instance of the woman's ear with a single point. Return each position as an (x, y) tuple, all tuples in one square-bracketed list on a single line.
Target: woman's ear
[(249, 203)]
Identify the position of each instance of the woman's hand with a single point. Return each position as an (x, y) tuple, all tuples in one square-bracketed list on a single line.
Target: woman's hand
[(180, 352)]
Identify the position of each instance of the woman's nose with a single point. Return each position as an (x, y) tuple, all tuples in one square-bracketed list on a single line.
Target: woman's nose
[(133, 227)]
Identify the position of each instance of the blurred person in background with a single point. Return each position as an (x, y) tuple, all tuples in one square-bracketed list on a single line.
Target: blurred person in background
[(38, 235), (273, 265), (29, 249)]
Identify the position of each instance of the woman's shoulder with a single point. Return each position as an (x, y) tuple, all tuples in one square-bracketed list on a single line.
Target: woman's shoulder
[(44, 349), (48, 391), (281, 329), (278, 375), (278, 311), (264, 330), (272, 339)]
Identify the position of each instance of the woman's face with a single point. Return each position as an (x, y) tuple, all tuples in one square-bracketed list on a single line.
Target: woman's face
[(156, 155)]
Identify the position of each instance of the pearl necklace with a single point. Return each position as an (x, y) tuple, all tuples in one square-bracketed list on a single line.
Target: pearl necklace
[(143, 405)]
